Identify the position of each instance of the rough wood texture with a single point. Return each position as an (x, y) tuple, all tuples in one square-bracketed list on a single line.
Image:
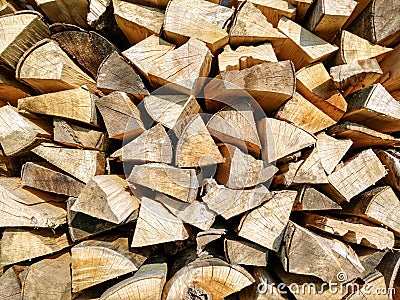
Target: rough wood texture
[(265, 225), (310, 199), (245, 253), (375, 108), (98, 10), (7, 7), (352, 77), (47, 68), (311, 170), (361, 5), (250, 27), (189, 18), (9, 285), (10, 89), (286, 174), (390, 65), (391, 160), (302, 46)]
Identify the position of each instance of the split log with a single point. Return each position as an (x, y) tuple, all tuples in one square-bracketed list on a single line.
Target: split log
[(286, 174), (352, 77), (45, 177), (182, 72), (391, 160), (156, 224), (10, 89), (362, 136), (57, 71), (88, 48), (203, 238), (266, 224), (310, 199), (374, 107), (22, 207), (311, 170), (358, 174), (302, 7), (351, 232), (18, 133), (120, 115), (153, 145), (181, 184), (251, 27), (373, 23), (96, 261), (354, 48), (20, 31), (245, 253), (361, 5), (198, 15), (229, 202), (241, 170), (74, 104), (210, 278), (19, 244), (69, 12), (147, 283), (245, 57), (115, 74), (302, 46), (390, 65), (137, 22), (327, 17), (143, 59), (48, 279), (170, 110), (304, 114), (81, 164), (9, 285), (107, 197), (331, 151), (315, 84), (274, 10), (279, 139), (379, 205), (328, 256), (370, 259), (97, 13)]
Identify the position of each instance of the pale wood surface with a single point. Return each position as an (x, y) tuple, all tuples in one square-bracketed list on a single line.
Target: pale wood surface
[(311, 170), (245, 253), (9, 285), (310, 199), (302, 7)]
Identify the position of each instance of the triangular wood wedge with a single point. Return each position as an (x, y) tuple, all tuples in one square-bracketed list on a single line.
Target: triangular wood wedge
[(20, 31), (181, 184), (57, 71), (245, 253), (279, 139), (310, 199), (311, 170), (286, 174), (202, 20), (10, 89), (115, 74), (156, 224), (252, 27), (10, 287), (107, 197), (241, 170), (183, 68), (265, 225), (391, 161), (204, 238), (153, 145)]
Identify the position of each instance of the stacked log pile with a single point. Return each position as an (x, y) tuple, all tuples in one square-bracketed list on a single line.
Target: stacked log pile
[(193, 149)]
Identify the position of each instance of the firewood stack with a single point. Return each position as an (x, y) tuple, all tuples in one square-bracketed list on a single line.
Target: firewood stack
[(193, 149)]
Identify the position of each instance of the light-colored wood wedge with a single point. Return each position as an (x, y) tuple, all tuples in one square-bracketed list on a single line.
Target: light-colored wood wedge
[(20, 31), (265, 225), (310, 199), (198, 16), (147, 283), (315, 84), (361, 5), (370, 259), (211, 277), (390, 65), (279, 139), (45, 177), (354, 76), (10, 288), (358, 174), (245, 253), (81, 164), (181, 184), (391, 160), (204, 238), (302, 46), (137, 22), (74, 104), (181, 71), (96, 261), (375, 108), (156, 224), (47, 68), (10, 89), (107, 197), (331, 151), (311, 170), (250, 27), (286, 174), (115, 74), (23, 207), (245, 57), (335, 256), (19, 244), (18, 134)]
